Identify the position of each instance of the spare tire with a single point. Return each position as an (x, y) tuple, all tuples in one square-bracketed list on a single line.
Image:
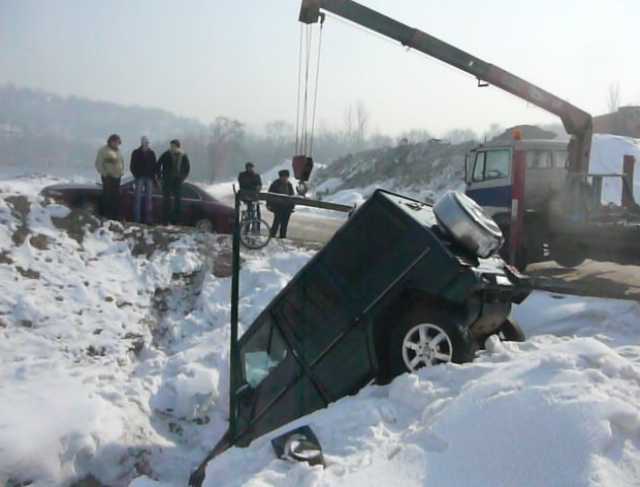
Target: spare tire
[(468, 224)]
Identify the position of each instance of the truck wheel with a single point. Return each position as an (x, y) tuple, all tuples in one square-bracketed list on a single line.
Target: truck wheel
[(567, 255), (510, 331), (425, 339), (522, 259)]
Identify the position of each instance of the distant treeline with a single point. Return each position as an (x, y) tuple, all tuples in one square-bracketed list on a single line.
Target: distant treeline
[(40, 131)]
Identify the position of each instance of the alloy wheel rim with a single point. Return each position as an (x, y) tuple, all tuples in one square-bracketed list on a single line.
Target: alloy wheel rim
[(426, 345)]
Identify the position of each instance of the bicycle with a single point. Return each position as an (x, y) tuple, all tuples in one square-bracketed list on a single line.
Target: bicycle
[(255, 233)]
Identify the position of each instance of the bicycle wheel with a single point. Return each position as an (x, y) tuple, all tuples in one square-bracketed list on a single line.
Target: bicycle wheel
[(255, 233)]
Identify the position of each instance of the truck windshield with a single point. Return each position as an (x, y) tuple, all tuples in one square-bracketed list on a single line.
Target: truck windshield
[(262, 352)]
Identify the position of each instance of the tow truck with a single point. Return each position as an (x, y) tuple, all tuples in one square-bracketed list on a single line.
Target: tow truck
[(540, 192)]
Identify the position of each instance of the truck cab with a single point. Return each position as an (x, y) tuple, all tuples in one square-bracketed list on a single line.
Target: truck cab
[(514, 181)]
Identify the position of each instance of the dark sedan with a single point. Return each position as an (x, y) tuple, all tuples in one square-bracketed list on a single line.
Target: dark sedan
[(199, 208)]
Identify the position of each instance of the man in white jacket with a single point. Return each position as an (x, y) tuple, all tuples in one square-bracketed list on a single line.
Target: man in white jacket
[(110, 166)]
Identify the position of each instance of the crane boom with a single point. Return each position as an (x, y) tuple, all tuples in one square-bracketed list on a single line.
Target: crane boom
[(576, 121)]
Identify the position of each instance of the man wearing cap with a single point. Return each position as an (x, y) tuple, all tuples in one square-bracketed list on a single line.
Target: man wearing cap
[(145, 170), (110, 166), (174, 169), (281, 210), (249, 180)]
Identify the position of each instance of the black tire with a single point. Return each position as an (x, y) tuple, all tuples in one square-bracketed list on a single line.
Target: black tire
[(567, 255), (89, 205), (204, 225), (255, 239), (462, 343), (510, 331)]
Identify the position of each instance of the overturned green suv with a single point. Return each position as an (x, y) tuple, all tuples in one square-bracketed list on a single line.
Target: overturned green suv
[(402, 285)]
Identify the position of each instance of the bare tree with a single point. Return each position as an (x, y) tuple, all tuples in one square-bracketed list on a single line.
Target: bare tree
[(356, 125), (415, 136), (226, 139), (613, 98), (362, 122), (348, 123), (459, 136), (494, 130)]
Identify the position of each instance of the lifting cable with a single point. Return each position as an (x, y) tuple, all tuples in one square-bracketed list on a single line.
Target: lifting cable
[(305, 118), (305, 104), (297, 147), (315, 94)]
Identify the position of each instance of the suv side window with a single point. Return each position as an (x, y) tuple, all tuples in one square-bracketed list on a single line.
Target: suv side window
[(262, 352), (478, 169), (497, 164)]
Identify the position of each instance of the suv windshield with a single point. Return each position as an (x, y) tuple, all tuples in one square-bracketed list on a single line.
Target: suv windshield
[(262, 352)]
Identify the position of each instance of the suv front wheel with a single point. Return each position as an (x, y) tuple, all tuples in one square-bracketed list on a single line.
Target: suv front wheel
[(424, 340)]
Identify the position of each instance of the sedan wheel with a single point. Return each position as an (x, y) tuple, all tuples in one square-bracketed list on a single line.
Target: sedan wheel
[(426, 345), (89, 206), (204, 226)]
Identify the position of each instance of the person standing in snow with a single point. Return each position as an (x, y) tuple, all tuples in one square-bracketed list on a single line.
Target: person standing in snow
[(174, 168), (144, 168), (110, 166), (281, 209)]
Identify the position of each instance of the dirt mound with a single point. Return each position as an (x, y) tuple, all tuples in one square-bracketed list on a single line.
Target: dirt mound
[(528, 132)]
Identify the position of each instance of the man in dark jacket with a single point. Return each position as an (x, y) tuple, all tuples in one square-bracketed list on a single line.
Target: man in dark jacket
[(174, 169), (250, 180), (281, 210), (145, 170)]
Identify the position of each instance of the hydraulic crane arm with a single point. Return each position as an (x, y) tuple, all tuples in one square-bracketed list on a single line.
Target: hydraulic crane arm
[(577, 122)]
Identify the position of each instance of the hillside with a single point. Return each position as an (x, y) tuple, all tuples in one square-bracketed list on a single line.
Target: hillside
[(43, 132), (426, 170), (423, 170)]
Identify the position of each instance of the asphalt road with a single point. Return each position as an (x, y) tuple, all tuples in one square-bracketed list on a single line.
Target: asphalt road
[(601, 279)]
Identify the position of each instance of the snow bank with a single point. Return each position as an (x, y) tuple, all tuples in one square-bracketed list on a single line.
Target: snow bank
[(114, 345), (114, 342), (554, 411)]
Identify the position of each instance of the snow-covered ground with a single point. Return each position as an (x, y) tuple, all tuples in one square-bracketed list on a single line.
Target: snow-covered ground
[(114, 344), (561, 409)]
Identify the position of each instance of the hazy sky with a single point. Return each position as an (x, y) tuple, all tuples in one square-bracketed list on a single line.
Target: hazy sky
[(204, 58)]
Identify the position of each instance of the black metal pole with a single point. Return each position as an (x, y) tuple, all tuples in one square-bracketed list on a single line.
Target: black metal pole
[(233, 349)]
